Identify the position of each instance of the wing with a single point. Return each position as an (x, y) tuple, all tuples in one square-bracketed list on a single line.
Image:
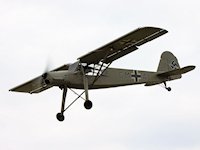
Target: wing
[(122, 46), (33, 86), (36, 85)]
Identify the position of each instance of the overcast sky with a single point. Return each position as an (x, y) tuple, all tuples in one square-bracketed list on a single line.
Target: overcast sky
[(36, 32)]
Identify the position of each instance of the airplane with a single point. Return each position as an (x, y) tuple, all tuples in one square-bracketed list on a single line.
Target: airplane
[(92, 70)]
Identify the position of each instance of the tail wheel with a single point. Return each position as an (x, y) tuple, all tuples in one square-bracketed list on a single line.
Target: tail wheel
[(168, 89)]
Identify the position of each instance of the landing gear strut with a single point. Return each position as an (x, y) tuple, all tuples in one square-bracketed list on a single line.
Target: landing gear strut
[(60, 115), (167, 88), (88, 103)]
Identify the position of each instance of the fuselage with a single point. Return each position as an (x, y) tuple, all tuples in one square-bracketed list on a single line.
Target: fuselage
[(112, 77)]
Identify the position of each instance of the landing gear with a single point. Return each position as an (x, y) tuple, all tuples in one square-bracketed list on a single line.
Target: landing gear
[(88, 104), (167, 88)]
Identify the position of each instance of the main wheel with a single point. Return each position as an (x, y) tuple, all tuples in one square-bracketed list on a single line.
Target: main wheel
[(88, 104), (60, 116)]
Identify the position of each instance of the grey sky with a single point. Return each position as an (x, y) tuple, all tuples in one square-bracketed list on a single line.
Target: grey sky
[(33, 33)]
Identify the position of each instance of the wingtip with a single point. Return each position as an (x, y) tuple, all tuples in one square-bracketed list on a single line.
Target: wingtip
[(193, 67), (153, 27)]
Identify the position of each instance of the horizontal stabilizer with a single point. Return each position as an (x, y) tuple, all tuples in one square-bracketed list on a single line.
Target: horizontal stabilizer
[(177, 71)]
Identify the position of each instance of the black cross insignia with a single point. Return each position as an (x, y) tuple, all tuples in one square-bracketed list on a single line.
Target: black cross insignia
[(135, 75)]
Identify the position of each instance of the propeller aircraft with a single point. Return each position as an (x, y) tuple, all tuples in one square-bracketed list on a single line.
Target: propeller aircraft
[(92, 71)]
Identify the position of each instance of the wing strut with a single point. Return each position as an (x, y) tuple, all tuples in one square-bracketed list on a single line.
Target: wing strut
[(101, 64), (100, 72), (96, 69)]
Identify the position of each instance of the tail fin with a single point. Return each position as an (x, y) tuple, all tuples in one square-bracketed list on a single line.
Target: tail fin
[(168, 62), (168, 69)]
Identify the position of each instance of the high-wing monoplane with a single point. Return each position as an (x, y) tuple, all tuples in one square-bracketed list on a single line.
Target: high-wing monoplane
[(92, 71)]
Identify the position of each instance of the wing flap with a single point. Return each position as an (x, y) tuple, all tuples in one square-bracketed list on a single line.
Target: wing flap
[(118, 47)]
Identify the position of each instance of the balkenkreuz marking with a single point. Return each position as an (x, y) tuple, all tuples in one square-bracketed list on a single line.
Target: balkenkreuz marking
[(136, 75)]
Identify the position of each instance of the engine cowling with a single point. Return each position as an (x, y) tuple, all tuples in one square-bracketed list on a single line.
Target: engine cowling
[(46, 78), (55, 78)]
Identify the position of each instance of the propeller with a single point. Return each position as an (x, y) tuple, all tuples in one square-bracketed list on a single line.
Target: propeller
[(44, 81)]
